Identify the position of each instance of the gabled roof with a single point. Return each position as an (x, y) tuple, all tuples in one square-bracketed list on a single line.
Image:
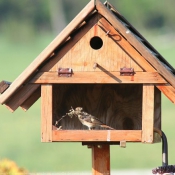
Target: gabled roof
[(120, 24)]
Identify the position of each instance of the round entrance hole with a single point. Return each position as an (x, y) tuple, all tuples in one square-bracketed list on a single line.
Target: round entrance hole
[(96, 42)]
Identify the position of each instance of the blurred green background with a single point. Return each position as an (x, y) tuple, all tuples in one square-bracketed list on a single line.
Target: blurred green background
[(26, 28)]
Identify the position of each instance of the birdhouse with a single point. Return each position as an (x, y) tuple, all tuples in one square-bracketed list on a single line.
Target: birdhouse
[(99, 81)]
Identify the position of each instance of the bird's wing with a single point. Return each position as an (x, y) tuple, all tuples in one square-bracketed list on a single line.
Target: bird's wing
[(91, 119), (96, 121), (86, 118)]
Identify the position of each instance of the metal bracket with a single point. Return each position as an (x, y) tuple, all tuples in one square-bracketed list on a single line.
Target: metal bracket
[(126, 71), (65, 72), (123, 144)]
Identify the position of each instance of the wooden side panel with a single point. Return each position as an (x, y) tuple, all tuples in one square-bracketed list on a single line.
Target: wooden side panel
[(46, 112), (157, 113), (147, 113), (111, 57), (157, 108), (101, 159)]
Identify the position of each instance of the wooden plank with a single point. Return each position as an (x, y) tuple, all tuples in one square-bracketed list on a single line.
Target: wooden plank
[(47, 51), (46, 112), (4, 85), (98, 77), (96, 135), (147, 113), (168, 91), (157, 113), (101, 159), (21, 96), (31, 100), (135, 43)]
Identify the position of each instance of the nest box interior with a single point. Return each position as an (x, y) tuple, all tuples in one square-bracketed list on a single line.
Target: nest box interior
[(118, 106)]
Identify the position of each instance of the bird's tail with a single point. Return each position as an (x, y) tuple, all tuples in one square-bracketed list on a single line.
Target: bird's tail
[(106, 126)]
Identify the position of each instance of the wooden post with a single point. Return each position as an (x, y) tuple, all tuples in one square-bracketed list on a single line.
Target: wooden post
[(101, 159), (148, 113), (46, 112)]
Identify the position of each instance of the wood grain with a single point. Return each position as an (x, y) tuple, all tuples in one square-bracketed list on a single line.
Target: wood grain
[(82, 56), (96, 135), (98, 77), (61, 51), (118, 106), (125, 46), (100, 159), (148, 113), (46, 112)]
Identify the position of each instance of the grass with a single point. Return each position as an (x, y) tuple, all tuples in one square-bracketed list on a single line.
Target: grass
[(20, 131)]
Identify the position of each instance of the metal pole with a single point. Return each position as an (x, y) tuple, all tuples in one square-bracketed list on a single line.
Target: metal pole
[(164, 150)]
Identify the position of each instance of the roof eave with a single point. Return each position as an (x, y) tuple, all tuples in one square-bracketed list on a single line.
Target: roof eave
[(90, 7)]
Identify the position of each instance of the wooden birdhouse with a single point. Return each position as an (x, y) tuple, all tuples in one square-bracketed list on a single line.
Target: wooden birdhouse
[(102, 65)]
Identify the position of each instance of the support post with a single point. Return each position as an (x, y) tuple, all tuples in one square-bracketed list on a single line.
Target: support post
[(148, 113), (46, 112), (101, 159)]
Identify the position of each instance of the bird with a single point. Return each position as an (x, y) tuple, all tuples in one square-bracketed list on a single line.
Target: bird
[(91, 121)]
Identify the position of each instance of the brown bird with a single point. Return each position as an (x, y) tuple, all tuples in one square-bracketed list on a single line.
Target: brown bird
[(91, 121)]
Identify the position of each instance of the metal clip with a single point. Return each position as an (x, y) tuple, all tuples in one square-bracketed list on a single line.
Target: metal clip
[(65, 72), (126, 71)]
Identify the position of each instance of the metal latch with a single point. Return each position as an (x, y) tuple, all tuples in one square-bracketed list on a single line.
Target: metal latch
[(126, 71), (65, 72)]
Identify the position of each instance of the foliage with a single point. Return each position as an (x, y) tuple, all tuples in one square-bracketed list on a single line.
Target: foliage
[(34, 11), (8, 167), (148, 14), (27, 18)]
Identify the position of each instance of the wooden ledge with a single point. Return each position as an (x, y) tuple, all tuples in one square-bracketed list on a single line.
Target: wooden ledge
[(96, 135), (98, 77)]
